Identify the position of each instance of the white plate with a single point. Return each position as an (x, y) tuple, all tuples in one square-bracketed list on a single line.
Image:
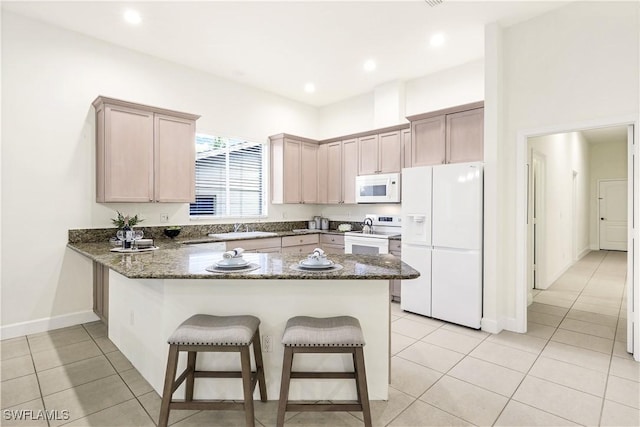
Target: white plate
[(235, 264), (316, 266)]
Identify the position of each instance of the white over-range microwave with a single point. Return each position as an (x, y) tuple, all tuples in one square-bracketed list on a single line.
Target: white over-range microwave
[(379, 188)]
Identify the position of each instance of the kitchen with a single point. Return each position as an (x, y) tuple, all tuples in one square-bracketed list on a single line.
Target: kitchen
[(71, 70)]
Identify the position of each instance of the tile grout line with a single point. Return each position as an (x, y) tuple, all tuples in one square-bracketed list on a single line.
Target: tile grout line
[(120, 376), (542, 350), (33, 363)]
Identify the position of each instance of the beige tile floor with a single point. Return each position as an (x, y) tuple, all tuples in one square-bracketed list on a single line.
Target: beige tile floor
[(571, 368)]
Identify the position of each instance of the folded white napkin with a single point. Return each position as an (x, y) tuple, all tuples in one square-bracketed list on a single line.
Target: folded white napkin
[(317, 254), (234, 253)]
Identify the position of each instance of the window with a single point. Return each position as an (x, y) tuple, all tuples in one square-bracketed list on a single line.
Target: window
[(229, 177)]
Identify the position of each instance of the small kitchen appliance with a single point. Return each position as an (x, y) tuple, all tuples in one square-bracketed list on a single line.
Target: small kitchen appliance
[(378, 188)]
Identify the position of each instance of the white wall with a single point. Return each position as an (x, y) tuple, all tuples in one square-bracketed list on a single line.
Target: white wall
[(563, 153), (455, 86), (577, 64), (608, 161), (50, 77)]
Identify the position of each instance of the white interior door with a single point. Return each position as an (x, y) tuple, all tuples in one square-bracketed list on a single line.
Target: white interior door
[(612, 198)]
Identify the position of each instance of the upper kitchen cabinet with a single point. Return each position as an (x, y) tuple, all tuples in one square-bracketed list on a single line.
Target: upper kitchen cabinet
[(340, 172), (405, 144), (453, 135), (379, 153), (294, 169), (465, 136), (143, 153)]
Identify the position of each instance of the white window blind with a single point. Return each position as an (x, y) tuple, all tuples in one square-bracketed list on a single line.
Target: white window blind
[(229, 177)]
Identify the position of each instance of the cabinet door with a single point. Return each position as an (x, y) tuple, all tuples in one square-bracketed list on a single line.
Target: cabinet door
[(291, 181), (349, 170), (368, 155), (465, 136), (309, 173), (323, 177), (428, 141), (405, 140), (174, 166), (334, 172), (128, 155), (389, 152)]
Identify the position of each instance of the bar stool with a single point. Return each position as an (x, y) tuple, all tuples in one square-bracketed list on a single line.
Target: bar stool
[(324, 335), (206, 333)]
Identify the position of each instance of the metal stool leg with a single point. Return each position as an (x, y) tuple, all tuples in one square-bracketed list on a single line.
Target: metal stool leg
[(167, 392)]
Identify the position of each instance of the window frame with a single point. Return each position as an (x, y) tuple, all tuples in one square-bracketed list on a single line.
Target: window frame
[(265, 180)]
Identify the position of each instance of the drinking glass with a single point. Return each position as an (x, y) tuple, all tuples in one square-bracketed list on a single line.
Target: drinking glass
[(137, 235)]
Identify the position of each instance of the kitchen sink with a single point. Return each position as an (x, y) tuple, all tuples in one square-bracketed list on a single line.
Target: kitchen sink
[(242, 235)]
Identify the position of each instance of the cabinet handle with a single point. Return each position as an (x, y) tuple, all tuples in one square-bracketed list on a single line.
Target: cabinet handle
[(443, 161)]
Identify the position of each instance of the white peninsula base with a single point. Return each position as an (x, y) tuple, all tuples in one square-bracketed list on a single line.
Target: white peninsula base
[(144, 312)]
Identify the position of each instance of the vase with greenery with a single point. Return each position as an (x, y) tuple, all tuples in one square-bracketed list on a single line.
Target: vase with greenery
[(119, 220)]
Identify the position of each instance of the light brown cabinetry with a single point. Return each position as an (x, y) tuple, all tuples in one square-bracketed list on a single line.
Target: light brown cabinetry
[(323, 174), (405, 146), (395, 248), (332, 243), (341, 171), (268, 245), (294, 170), (101, 291), (453, 135), (379, 153), (303, 244), (143, 153), (465, 136)]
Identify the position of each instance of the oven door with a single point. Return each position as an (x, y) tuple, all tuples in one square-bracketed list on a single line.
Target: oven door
[(365, 245)]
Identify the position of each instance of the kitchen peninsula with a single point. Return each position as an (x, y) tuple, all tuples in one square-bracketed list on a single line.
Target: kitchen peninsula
[(151, 293)]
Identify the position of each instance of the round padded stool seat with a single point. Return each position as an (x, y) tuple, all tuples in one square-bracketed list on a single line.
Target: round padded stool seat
[(341, 331), (205, 329)]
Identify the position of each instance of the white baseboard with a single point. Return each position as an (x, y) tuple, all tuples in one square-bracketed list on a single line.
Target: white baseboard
[(583, 253), (46, 324), (490, 325), (496, 326)]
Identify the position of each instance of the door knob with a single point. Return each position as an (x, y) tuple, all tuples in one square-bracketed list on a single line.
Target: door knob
[(602, 219)]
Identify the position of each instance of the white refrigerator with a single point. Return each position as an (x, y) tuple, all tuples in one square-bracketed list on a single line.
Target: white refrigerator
[(442, 238)]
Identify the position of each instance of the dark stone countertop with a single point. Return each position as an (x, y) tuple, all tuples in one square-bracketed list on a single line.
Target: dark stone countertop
[(176, 259)]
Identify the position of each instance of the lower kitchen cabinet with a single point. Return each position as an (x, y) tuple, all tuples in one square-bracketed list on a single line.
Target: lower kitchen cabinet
[(332, 243), (268, 245), (303, 244), (395, 248), (101, 291)]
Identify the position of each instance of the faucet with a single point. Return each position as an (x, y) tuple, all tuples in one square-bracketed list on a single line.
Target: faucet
[(236, 227)]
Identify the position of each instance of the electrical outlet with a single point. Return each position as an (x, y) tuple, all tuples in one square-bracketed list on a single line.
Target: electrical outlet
[(267, 343), (164, 217), (284, 214)]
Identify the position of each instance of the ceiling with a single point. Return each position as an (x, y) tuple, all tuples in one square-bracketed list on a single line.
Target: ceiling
[(605, 135), (281, 46)]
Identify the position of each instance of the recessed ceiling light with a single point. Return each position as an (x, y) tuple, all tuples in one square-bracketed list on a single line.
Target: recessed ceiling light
[(309, 88), (132, 17), (437, 40), (369, 65)]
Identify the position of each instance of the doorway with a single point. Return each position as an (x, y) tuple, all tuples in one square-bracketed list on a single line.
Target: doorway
[(612, 214), (575, 249)]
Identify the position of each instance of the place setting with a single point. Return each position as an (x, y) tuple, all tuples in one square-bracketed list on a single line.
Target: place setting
[(232, 262), (317, 261)]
